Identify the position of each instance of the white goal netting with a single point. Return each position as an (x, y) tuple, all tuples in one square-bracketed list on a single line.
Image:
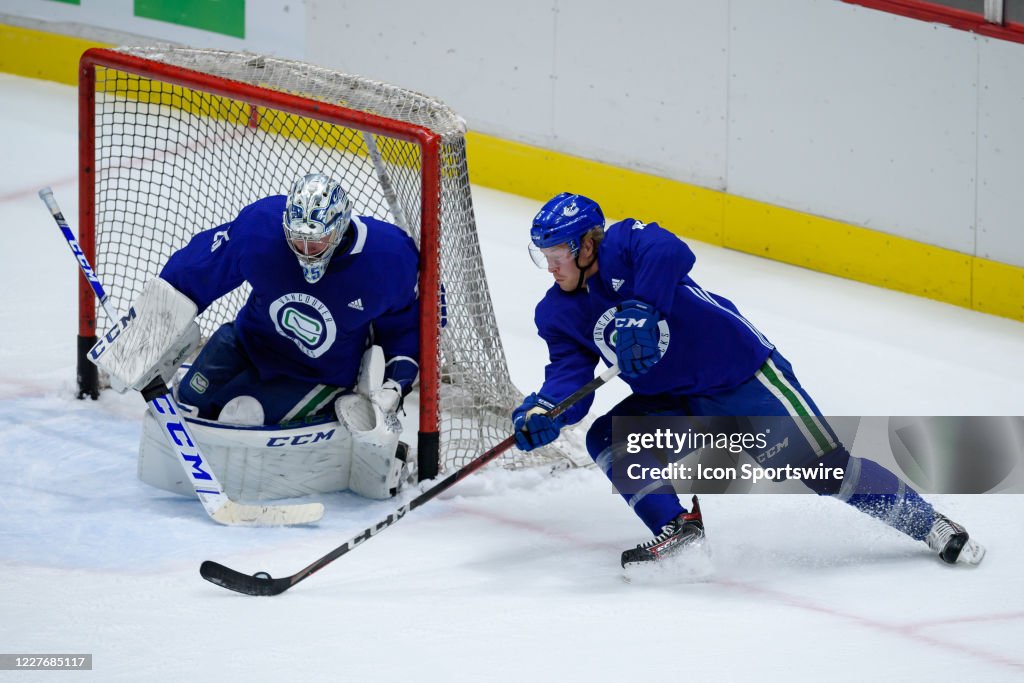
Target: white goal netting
[(183, 138)]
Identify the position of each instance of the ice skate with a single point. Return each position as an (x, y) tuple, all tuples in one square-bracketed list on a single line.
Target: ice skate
[(952, 542), (684, 531)]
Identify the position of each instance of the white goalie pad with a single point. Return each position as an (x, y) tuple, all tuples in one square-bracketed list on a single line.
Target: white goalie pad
[(253, 463), (360, 452), (155, 337), (371, 371), (270, 463), (376, 470)]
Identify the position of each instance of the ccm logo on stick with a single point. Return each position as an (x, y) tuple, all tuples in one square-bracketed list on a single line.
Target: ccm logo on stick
[(87, 270), (186, 449)]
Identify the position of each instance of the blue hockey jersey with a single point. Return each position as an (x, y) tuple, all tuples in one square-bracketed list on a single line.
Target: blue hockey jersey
[(289, 327), (707, 346)]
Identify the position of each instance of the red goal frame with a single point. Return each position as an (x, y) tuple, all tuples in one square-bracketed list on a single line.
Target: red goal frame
[(430, 149), (961, 19)]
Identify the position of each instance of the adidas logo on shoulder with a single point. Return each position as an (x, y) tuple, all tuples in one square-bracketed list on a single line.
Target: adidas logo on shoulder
[(616, 283), (357, 304)]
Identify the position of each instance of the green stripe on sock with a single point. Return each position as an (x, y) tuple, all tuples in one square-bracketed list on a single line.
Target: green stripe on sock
[(314, 403), (799, 407)]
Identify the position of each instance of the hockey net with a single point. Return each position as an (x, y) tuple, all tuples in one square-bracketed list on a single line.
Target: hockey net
[(177, 140)]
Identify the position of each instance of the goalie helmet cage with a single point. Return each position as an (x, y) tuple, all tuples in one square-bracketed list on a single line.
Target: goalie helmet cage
[(176, 140)]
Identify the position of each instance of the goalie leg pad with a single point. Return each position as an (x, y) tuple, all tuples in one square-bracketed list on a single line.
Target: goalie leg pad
[(377, 470), (371, 371), (273, 462), (253, 463)]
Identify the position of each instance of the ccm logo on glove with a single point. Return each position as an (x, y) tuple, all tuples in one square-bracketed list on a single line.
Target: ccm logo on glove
[(636, 337)]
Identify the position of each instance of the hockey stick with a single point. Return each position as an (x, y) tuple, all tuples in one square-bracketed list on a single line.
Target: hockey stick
[(211, 494), (261, 583), (385, 183)]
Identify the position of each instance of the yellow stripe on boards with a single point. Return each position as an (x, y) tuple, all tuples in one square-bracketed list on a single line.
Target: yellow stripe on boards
[(848, 251), (754, 227), (42, 55), (998, 288), (695, 212)]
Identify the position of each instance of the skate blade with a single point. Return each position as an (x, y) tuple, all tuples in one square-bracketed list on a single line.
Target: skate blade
[(692, 565), (971, 554)]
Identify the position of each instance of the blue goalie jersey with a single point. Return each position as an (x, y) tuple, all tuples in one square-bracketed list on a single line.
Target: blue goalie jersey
[(291, 328), (706, 345)]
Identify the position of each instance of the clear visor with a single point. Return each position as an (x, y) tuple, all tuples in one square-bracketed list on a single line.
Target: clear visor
[(551, 257)]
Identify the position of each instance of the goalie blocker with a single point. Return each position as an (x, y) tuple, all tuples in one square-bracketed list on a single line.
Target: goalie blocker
[(359, 450), (155, 338)]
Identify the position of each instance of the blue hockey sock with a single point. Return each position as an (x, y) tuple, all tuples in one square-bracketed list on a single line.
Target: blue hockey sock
[(656, 509), (876, 491), (656, 503), (907, 512)]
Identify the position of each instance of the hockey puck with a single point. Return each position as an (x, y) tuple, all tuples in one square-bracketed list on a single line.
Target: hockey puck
[(262, 575)]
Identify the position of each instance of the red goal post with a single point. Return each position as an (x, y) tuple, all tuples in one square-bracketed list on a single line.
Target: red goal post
[(177, 140)]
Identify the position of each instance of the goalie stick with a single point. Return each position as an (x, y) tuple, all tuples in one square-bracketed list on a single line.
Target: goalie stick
[(211, 494), (261, 583)]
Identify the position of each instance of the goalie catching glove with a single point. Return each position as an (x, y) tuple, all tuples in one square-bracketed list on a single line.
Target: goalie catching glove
[(389, 397), (533, 427), (636, 337), (153, 340)]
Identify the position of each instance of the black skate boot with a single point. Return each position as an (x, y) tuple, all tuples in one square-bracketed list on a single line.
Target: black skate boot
[(685, 530), (952, 542)]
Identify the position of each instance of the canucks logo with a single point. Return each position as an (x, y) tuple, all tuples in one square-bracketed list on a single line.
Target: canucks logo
[(570, 210), (304, 327), (306, 321)]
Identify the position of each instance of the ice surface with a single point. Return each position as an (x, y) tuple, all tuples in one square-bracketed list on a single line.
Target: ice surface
[(509, 576)]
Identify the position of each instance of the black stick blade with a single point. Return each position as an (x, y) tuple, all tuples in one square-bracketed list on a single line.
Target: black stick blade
[(243, 583)]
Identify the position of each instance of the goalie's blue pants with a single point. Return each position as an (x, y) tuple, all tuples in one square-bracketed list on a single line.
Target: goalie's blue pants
[(223, 371), (770, 400)]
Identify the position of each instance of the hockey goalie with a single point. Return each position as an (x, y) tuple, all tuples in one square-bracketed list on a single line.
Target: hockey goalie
[(300, 393)]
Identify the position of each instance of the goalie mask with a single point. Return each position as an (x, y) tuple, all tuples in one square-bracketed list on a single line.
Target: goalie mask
[(316, 218)]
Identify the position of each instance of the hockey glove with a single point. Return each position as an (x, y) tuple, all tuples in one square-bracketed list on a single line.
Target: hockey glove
[(636, 337), (153, 340), (533, 428), (389, 397)]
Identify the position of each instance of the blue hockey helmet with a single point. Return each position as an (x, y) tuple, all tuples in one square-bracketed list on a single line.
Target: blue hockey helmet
[(564, 219)]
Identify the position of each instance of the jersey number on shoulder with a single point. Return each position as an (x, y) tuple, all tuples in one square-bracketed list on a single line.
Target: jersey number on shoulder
[(219, 238)]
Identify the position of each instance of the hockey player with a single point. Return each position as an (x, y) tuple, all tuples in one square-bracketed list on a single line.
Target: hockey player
[(626, 295), (322, 288), (325, 286)]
